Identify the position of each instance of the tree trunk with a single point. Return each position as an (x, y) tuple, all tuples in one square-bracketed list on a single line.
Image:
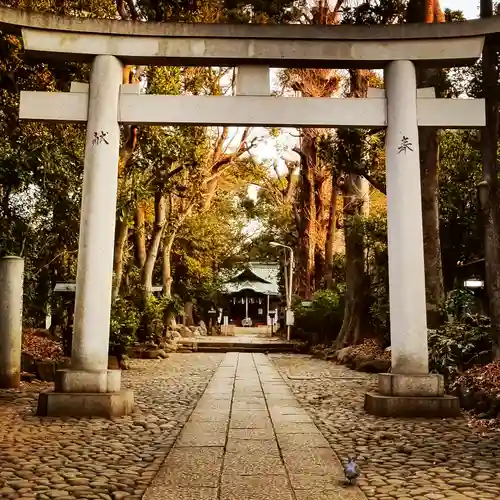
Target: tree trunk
[(489, 196), (323, 188), (351, 151), (140, 235), (363, 187), (188, 313), (167, 279), (429, 172), (307, 208), (330, 235), (350, 331), (121, 236), (429, 11), (152, 253)]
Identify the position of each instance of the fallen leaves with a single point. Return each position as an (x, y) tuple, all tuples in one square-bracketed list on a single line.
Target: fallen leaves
[(482, 378), (371, 349), (37, 345)]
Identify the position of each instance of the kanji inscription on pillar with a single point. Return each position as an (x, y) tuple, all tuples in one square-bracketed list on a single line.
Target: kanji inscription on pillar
[(405, 145), (99, 138)]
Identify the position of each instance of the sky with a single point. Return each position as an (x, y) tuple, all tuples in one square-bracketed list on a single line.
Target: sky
[(470, 8)]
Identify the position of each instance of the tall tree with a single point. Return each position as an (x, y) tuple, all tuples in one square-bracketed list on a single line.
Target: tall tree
[(351, 150), (316, 190), (429, 11), (488, 188)]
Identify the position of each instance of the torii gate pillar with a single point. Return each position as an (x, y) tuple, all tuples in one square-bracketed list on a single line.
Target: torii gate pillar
[(404, 223), (409, 390), (89, 388)]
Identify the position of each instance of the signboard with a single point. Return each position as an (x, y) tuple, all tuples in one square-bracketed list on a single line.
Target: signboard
[(65, 287)]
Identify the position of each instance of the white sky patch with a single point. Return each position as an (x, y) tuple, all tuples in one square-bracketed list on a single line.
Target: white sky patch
[(470, 8)]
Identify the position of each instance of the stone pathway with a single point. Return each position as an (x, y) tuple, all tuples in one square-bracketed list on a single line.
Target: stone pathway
[(249, 439), (403, 459), (70, 459)]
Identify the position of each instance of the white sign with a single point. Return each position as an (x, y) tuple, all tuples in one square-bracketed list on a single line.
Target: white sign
[(65, 287)]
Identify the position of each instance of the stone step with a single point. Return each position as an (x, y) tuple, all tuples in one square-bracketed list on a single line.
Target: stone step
[(211, 346), (274, 345), (238, 348)]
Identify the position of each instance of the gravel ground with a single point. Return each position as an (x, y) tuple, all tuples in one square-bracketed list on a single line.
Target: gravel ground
[(404, 459), (67, 459)]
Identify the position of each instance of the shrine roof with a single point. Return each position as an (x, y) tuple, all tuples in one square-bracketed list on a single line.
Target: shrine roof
[(256, 277)]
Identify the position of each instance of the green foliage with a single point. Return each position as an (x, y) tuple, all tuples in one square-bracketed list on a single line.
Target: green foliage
[(458, 345), (461, 229), (275, 220), (152, 326), (459, 302), (40, 175), (264, 11), (374, 12), (123, 325), (153, 313), (207, 242), (323, 318)]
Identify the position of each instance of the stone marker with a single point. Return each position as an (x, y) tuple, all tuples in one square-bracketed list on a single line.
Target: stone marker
[(11, 319)]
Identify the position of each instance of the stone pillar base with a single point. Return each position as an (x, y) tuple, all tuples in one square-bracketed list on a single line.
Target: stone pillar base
[(402, 395), (86, 394), (396, 384), (416, 406), (88, 382), (106, 405)]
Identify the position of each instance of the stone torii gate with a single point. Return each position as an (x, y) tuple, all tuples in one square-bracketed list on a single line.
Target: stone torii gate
[(89, 387)]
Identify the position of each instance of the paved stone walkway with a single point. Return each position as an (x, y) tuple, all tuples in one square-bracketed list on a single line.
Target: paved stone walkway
[(403, 459), (249, 439), (89, 459)]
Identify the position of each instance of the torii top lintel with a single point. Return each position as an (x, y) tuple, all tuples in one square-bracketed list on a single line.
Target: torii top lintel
[(344, 46)]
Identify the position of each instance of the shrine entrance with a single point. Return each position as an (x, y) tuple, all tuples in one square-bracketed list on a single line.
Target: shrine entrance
[(105, 103)]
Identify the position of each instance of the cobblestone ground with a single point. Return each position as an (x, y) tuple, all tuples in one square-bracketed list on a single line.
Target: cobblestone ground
[(404, 459), (68, 459)]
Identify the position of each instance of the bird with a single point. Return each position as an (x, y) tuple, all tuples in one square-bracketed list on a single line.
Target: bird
[(351, 471)]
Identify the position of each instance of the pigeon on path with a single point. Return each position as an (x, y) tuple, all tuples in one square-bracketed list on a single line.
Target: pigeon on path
[(351, 471)]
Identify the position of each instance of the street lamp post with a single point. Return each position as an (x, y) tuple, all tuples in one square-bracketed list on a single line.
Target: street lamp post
[(212, 313), (272, 314), (289, 291)]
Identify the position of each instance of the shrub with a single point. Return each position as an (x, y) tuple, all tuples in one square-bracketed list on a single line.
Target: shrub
[(456, 346), (459, 302), (155, 312), (123, 326), (152, 319), (322, 320)]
